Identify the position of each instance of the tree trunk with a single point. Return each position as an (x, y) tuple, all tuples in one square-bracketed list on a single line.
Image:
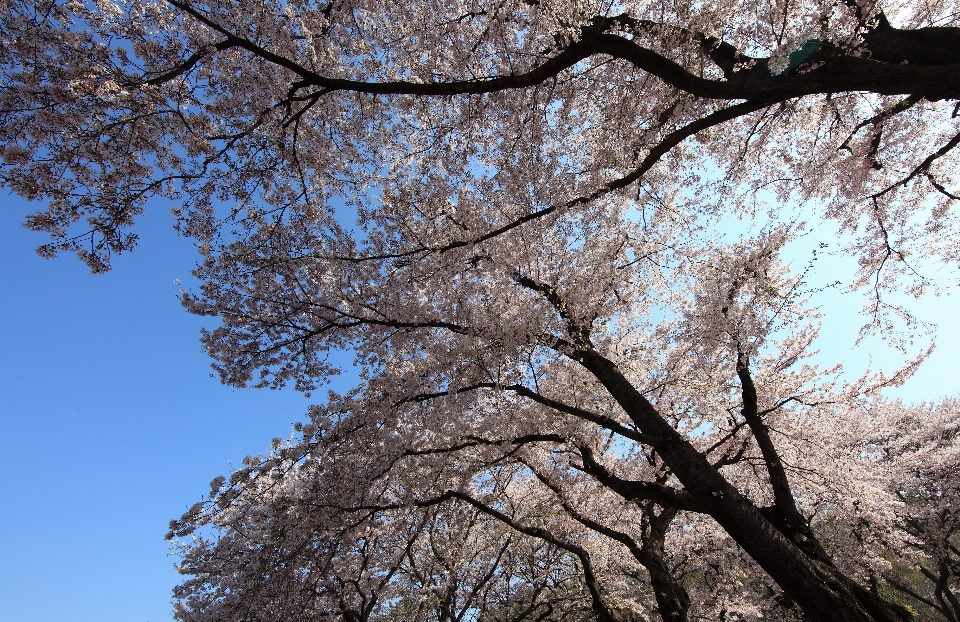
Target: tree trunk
[(672, 600), (820, 589)]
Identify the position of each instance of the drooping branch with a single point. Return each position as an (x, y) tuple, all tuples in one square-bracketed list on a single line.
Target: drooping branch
[(603, 421), (192, 61), (590, 577), (476, 441), (878, 119), (667, 143), (672, 599), (578, 516)]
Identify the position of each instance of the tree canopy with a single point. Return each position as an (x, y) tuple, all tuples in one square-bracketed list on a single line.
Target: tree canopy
[(577, 399)]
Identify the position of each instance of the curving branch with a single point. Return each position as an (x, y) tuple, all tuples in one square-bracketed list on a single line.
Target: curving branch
[(924, 168), (839, 73)]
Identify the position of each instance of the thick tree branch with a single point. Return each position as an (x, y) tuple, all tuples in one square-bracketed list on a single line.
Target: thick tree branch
[(786, 516), (601, 420), (665, 496), (782, 494), (840, 74)]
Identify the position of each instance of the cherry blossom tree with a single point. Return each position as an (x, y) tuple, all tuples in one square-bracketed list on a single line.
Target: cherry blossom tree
[(924, 468), (443, 564), (912, 455), (510, 441), (505, 211), (279, 107)]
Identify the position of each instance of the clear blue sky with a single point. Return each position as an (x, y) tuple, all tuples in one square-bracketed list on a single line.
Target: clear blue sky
[(110, 423)]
